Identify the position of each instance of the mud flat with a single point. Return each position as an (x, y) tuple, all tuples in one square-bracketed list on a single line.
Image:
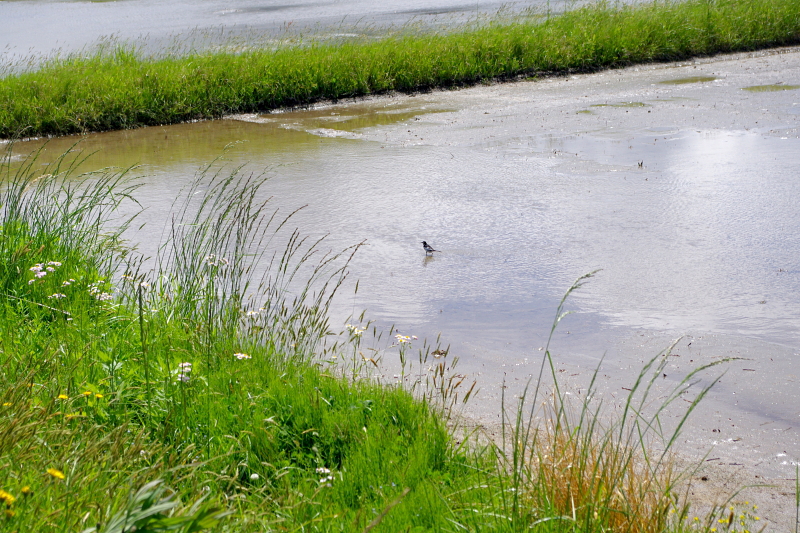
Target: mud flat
[(688, 131)]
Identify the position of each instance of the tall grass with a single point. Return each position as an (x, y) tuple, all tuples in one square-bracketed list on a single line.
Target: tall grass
[(120, 88), (119, 372), (195, 391)]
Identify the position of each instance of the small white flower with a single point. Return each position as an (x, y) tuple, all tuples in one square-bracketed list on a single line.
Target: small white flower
[(323, 470), (254, 476), (66, 283), (241, 356), (355, 330), (104, 296), (54, 263), (57, 296), (183, 371), (40, 274), (50, 269), (36, 268), (213, 260), (252, 314)]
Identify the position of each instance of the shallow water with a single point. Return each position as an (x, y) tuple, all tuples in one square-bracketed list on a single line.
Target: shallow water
[(685, 203), (771, 88)]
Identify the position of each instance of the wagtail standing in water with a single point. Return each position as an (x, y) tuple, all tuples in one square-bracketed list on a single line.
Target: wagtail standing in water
[(428, 248)]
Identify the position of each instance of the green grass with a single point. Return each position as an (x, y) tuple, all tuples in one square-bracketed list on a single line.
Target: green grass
[(181, 378), (120, 89), (193, 392)]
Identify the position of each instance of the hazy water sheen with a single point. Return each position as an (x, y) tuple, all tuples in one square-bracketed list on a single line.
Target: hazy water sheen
[(704, 237)]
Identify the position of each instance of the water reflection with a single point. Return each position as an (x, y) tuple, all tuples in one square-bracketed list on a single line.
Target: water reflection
[(243, 138), (702, 236), (688, 79), (775, 87)]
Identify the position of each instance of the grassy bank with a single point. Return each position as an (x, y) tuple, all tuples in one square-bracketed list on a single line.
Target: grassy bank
[(120, 89), (195, 391)]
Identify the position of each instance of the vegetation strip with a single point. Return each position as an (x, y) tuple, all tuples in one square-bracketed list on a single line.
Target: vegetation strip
[(120, 89)]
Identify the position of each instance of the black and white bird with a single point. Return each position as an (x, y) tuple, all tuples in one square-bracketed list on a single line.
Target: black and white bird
[(428, 248)]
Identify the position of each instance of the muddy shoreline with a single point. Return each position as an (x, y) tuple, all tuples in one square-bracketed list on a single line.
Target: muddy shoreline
[(743, 442), (746, 434), (673, 179)]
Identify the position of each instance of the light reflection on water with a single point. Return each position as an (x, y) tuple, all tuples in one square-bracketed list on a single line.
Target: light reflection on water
[(703, 237), (707, 236)]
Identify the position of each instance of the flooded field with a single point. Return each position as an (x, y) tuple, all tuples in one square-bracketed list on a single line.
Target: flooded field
[(677, 182)]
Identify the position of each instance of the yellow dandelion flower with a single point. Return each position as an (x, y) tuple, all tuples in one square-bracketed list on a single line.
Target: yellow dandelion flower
[(6, 498), (87, 393), (10, 513), (696, 519), (756, 518), (26, 491), (58, 474), (63, 397), (6, 404), (98, 395)]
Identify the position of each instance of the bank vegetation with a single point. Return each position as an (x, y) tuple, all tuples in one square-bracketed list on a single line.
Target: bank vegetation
[(118, 87)]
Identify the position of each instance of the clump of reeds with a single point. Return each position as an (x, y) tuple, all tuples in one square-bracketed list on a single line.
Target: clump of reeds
[(573, 463), (119, 87)]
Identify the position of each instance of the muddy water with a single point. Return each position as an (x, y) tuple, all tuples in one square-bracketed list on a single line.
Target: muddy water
[(678, 185)]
